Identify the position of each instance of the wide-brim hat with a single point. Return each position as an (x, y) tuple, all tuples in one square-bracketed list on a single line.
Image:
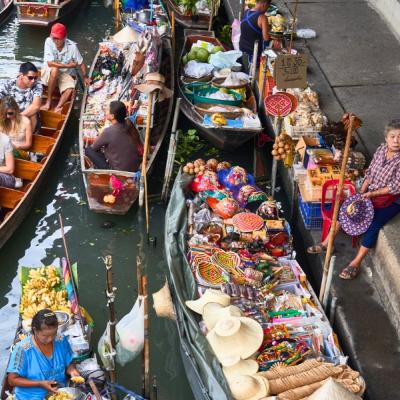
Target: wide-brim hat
[(356, 215), (125, 35), (214, 312), (247, 387), (155, 81), (209, 296), (235, 338), (243, 367), (333, 390)]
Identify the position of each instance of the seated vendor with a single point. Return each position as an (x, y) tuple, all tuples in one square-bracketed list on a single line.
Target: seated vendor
[(254, 26), (116, 147), (39, 363), (16, 126)]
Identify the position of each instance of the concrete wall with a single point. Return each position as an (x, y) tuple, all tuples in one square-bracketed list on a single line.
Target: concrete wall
[(390, 11)]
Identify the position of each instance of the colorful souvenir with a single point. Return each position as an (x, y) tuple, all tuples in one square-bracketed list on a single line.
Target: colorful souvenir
[(235, 177), (268, 210), (206, 181), (225, 208), (356, 215), (247, 222), (209, 274)]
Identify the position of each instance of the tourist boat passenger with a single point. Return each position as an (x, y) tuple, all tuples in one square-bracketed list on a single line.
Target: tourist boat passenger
[(61, 57), (39, 364), (382, 186), (16, 126), (116, 147), (27, 92)]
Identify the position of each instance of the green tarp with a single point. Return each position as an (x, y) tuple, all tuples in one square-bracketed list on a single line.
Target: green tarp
[(203, 369)]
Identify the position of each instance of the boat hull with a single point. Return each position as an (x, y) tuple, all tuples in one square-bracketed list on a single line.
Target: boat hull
[(188, 21), (6, 11), (42, 14)]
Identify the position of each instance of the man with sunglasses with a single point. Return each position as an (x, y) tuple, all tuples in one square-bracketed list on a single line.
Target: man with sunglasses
[(27, 92), (61, 58)]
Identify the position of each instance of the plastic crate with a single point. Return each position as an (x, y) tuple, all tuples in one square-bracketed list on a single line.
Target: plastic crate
[(311, 214)]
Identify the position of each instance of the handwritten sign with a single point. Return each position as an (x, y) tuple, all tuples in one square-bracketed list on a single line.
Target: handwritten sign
[(290, 71)]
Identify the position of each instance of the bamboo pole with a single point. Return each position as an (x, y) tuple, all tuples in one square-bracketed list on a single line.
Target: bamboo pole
[(210, 22), (277, 130), (254, 63), (293, 26), (171, 150), (173, 32), (110, 292), (142, 290), (336, 208), (262, 89), (117, 14)]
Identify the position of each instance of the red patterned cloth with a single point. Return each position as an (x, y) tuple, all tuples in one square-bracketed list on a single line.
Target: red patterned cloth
[(382, 172)]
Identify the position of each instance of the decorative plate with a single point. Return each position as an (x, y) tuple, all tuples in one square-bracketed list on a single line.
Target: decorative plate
[(226, 259), (247, 222), (278, 105), (209, 274)]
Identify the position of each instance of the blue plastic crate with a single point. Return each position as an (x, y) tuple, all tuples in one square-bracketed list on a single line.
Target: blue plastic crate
[(311, 214)]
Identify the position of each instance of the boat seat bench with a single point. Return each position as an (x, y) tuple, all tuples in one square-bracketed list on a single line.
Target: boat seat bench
[(26, 170), (9, 198)]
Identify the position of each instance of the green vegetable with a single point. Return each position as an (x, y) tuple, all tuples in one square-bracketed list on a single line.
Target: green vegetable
[(202, 55), (216, 49), (185, 59)]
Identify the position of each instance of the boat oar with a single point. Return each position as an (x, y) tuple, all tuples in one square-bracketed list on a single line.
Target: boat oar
[(143, 178), (171, 151), (69, 268)]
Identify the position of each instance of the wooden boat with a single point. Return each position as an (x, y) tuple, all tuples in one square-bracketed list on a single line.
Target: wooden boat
[(97, 181), (6, 7), (222, 137), (23, 327), (199, 21), (15, 204), (44, 14)]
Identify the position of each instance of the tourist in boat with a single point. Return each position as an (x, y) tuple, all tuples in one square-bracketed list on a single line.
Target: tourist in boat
[(116, 147), (7, 164), (27, 90), (16, 126), (254, 26), (39, 364), (61, 58), (382, 186)]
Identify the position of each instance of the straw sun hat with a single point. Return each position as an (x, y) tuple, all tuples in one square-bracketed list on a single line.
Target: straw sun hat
[(154, 81), (213, 312), (246, 387), (125, 35), (235, 338), (209, 296), (243, 367)]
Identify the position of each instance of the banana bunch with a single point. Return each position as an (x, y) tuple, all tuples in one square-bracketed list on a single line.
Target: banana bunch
[(39, 293), (218, 119)]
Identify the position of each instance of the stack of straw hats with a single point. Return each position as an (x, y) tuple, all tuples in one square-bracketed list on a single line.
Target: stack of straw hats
[(234, 340)]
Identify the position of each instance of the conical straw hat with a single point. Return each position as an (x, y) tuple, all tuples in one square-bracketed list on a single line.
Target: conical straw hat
[(243, 367), (209, 296), (213, 312), (125, 35), (247, 387), (333, 390), (235, 338), (162, 303)]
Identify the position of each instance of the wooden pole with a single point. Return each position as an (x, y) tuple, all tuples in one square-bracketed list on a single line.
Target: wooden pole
[(171, 150), (117, 14), (277, 130), (142, 290), (261, 90), (173, 32), (254, 63), (293, 26), (210, 22), (336, 208), (110, 292)]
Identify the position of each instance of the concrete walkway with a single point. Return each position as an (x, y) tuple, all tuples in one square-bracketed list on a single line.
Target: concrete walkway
[(355, 67)]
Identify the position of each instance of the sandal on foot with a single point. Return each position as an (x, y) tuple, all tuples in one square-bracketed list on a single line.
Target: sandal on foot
[(316, 249), (350, 272)]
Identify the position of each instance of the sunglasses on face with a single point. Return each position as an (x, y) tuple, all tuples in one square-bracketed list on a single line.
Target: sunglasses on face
[(31, 78), (10, 113)]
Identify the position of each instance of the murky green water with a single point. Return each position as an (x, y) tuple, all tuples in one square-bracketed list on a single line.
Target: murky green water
[(38, 241)]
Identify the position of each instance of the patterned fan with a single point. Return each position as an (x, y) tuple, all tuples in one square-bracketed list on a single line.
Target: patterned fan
[(229, 261), (209, 274), (247, 222)]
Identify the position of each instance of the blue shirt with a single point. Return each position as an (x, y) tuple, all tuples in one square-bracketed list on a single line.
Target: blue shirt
[(29, 362)]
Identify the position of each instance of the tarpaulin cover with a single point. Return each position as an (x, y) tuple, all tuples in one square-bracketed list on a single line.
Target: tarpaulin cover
[(134, 5), (205, 375)]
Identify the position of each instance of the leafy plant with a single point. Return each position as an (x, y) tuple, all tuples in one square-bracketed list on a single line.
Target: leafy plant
[(191, 146), (224, 34)]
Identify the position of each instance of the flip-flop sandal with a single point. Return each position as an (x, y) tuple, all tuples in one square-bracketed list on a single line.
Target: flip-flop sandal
[(316, 249), (349, 272)]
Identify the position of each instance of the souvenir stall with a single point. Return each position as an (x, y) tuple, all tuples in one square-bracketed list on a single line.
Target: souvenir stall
[(239, 287)]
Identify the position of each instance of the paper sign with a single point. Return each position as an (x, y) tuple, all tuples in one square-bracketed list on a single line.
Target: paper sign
[(290, 71)]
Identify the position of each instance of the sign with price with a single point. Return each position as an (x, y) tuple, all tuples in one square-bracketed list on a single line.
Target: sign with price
[(290, 71)]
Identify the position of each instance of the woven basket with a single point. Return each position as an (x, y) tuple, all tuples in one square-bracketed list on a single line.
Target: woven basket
[(217, 82)]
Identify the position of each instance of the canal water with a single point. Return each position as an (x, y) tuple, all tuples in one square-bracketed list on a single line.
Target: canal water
[(38, 239)]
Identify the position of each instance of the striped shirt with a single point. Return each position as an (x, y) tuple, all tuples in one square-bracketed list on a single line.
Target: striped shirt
[(384, 173)]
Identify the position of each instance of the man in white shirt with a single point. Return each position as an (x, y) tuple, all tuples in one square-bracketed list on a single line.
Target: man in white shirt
[(61, 57)]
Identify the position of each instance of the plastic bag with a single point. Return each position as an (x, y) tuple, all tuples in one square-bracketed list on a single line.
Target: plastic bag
[(131, 333), (235, 36), (196, 69), (105, 351), (225, 59)]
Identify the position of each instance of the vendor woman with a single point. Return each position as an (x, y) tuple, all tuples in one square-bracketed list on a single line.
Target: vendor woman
[(381, 185), (254, 26), (39, 363), (117, 146)]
